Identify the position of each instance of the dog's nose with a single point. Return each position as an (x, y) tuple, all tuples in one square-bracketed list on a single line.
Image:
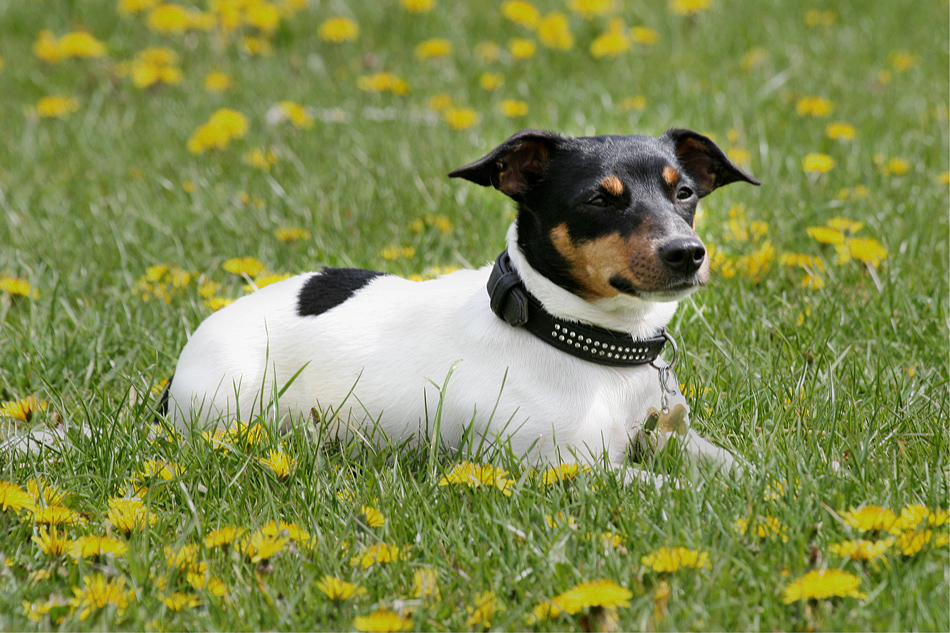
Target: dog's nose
[(684, 255)]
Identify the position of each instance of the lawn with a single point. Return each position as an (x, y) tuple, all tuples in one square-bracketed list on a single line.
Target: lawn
[(160, 160)]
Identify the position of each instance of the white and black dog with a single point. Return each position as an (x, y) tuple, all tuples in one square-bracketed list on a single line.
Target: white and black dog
[(552, 350)]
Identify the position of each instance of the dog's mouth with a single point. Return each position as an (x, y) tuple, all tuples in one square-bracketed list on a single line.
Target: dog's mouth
[(671, 292)]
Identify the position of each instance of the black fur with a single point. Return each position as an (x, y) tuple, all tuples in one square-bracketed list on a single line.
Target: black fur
[(162, 405), (331, 287)]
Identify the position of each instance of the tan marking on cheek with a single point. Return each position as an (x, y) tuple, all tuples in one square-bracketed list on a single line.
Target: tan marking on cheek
[(612, 185), (670, 176)]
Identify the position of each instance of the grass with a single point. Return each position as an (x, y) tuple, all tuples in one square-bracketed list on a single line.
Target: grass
[(839, 394)]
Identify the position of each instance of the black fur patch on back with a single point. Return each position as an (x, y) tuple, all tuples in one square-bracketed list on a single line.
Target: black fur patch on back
[(331, 287)]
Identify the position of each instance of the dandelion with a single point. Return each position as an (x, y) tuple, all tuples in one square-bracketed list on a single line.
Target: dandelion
[(178, 601), (560, 519), (417, 6), (259, 46), (485, 608), (338, 30), (97, 592), (382, 621), (612, 42), (591, 8), (822, 584), (217, 81), (491, 81), (273, 529), (56, 515), (128, 515), (372, 517), (129, 7), (825, 235), (392, 253), (154, 65), (339, 590), (224, 536), (184, 558), (488, 51), (51, 542), (13, 497), (870, 519), (56, 107), (521, 48), (943, 178), (379, 553), (764, 528), (46, 47), (867, 250), (554, 31), (80, 44), (169, 18), (896, 167), (561, 473), (912, 542), (902, 61), (425, 585), (296, 114), (22, 410), (605, 594), (260, 159), (17, 287), (629, 104), (477, 476), (845, 225), (513, 108), (264, 16), (689, 8), (279, 462), (261, 546), (224, 126), (861, 549), (96, 546), (248, 266), (840, 131), (434, 48), (520, 12), (201, 580), (291, 234), (383, 82), (817, 163), (814, 106), (216, 303), (668, 559)]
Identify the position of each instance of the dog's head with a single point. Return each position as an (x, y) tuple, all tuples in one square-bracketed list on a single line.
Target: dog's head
[(607, 215)]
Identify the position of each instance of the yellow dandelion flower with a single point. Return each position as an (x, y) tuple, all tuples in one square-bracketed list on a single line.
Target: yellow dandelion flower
[(871, 518), (224, 126), (46, 47), (825, 235), (812, 281), (216, 303), (488, 51), (668, 559), (560, 519), (417, 6), (217, 81), (814, 106), (943, 178), (425, 585), (562, 472), (291, 234), (95, 546), (392, 253), (845, 225), (97, 592), (178, 601), (56, 107), (379, 553), (202, 580), (912, 542), (520, 12), (485, 607), (605, 594), (81, 44), (554, 31), (477, 476), (461, 118), (22, 410), (296, 114), (689, 7), (902, 61), (861, 549), (491, 81), (867, 250), (17, 287), (764, 528), (521, 48), (249, 266), (591, 8), (938, 517), (279, 462), (339, 590), (896, 167), (128, 515), (513, 108), (264, 16), (259, 158), (821, 584), (546, 610), (840, 131), (13, 497), (51, 542), (637, 103), (644, 35), (224, 536), (382, 621), (129, 7), (383, 82), (183, 557), (56, 515), (273, 529), (261, 546), (372, 516), (816, 163), (259, 46), (169, 18), (338, 30), (434, 48), (612, 42)]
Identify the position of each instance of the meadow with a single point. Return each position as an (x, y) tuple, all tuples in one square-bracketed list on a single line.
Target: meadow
[(159, 160)]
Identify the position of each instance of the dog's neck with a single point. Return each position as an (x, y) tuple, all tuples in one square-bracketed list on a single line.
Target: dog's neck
[(623, 313)]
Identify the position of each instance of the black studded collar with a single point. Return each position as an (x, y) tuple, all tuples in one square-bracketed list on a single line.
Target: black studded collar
[(512, 302)]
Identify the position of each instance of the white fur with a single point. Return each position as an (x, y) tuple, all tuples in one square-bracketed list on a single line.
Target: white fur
[(379, 360)]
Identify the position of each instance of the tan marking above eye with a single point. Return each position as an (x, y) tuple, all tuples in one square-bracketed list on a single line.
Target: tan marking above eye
[(670, 176), (612, 185)]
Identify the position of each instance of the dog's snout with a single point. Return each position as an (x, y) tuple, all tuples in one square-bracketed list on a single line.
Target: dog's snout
[(683, 255)]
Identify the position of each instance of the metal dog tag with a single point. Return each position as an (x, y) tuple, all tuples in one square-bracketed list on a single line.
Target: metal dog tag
[(673, 414)]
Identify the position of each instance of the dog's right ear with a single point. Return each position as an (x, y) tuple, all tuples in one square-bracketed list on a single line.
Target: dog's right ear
[(515, 165)]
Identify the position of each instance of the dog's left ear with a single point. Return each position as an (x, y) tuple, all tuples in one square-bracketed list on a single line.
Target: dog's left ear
[(706, 164), (515, 165)]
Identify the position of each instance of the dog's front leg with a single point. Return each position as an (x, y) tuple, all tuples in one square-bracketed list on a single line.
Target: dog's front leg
[(697, 449)]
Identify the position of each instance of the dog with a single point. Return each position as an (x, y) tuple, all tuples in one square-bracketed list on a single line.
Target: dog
[(552, 351)]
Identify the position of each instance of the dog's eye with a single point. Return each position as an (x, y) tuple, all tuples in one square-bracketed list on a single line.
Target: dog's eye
[(685, 193), (599, 201)]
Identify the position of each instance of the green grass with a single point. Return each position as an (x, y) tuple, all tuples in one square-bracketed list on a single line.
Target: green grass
[(840, 392)]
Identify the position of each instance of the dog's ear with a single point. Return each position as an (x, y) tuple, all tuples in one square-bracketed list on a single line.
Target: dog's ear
[(706, 164), (515, 165)]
